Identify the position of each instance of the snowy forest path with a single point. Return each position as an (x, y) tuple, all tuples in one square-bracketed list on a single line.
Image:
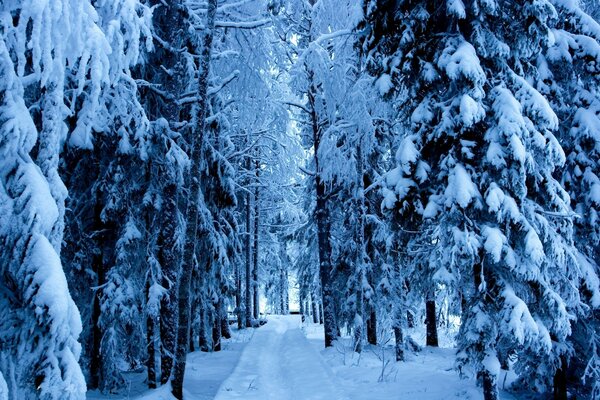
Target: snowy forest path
[(280, 363)]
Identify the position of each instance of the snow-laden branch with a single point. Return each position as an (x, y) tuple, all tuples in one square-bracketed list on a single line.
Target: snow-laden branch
[(333, 35), (212, 91), (221, 8), (224, 82), (242, 24), (225, 6), (294, 104), (378, 182)]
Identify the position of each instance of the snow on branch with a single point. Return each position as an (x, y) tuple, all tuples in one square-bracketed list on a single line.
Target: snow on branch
[(333, 35), (242, 24), (228, 79), (294, 104), (211, 91)]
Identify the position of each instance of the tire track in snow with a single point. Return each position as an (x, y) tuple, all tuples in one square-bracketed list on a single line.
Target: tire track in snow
[(280, 364)]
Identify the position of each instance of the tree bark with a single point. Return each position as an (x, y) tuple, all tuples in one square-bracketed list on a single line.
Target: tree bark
[(283, 293), (302, 309), (372, 328), (203, 342), (560, 381), (488, 380), (321, 313), (410, 319), (490, 387), (239, 306), (401, 314), (248, 276), (98, 268), (431, 322), (399, 338), (216, 326), (193, 210), (169, 259), (169, 23), (322, 218), (150, 340), (225, 330), (255, 287)]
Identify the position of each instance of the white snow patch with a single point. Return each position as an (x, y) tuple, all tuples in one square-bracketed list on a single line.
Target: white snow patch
[(432, 208), (384, 84), (494, 242), (456, 8), (519, 320), (463, 62), (491, 363), (471, 112), (422, 114), (407, 154), (49, 289), (389, 198), (518, 149), (461, 189), (534, 247)]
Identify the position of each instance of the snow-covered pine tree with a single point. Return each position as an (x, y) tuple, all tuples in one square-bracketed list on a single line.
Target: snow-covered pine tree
[(168, 75), (37, 346), (105, 228), (568, 77), (477, 161), (320, 83), (49, 47), (196, 207)]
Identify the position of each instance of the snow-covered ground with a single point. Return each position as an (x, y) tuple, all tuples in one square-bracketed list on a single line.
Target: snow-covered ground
[(204, 374), (375, 375), (279, 363), (285, 360)]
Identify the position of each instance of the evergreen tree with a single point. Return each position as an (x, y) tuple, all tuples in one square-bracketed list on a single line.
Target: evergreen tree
[(477, 161), (56, 51), (568, 77)]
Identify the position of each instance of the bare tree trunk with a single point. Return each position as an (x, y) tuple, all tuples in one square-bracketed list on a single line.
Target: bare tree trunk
[(322, 218), (217, 333), (170, 259), (399, 337), (560, 381), (255, 287), (196, 143), (302, 309), (361, 259), (150, 341), (283, 293), (431, 322), (202, 310), (372, 328), (224, 321), (286, 302), (98, 268), (490, 386), (248, 260), (488, 380), (315, 312), (239, 306), (410, 319), (321, 313)]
